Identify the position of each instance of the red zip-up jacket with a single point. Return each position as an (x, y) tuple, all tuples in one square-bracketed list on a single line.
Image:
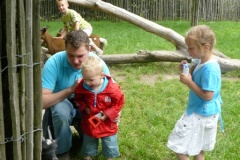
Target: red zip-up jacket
[(110, 101)]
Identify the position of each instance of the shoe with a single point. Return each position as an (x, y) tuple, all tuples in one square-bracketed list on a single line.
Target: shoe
[(63, 156)]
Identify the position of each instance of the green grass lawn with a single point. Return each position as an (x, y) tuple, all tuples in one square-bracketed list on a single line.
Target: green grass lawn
[(154, 102)]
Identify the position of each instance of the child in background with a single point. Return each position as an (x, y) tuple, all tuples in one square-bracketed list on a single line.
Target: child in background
[(98, 94), (74, 21), (195, 132)]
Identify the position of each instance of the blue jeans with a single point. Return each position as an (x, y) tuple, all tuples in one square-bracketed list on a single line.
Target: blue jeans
[(60, 118), (109, 146)]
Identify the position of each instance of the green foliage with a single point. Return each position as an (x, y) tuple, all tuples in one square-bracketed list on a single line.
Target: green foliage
[(154, 97)]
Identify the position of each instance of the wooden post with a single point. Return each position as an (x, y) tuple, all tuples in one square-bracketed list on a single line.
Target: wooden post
[(2, 132), (12, 77), (37, 80), (22, 82), (29, 79)]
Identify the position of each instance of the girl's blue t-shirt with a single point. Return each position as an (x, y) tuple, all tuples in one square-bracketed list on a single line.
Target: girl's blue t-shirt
[(207, 77)]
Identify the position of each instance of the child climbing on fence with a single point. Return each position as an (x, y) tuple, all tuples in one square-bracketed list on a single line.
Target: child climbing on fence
[(74, 21)]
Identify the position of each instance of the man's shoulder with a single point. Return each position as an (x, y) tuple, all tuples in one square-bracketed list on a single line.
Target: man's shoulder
[(59, 57)]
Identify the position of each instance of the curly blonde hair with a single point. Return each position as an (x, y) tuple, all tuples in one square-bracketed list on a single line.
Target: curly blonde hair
[(92, 63)]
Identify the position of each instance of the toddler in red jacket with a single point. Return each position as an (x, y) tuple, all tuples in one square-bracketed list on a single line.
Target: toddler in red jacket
[(100, 101)]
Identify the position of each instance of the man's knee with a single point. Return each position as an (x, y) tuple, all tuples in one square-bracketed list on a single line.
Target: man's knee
[(63, 111)]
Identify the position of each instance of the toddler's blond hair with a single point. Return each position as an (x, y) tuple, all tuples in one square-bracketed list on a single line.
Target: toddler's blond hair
[(92, 63)]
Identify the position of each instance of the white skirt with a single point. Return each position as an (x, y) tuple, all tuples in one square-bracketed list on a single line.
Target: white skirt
[(193, 133)]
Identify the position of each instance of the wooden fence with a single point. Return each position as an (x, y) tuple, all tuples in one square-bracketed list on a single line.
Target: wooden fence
[(20, 82), (155, 10), (20, 61)]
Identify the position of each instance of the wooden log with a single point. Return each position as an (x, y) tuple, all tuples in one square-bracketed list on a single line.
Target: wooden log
[(144, 56), (149, 26)]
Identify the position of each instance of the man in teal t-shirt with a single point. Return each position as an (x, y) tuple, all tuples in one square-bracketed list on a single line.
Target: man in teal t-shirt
[(60, 76)]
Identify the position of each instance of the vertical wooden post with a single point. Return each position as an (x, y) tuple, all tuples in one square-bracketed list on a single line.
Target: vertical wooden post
[(22, 83), (29, 79), (12, 76), (2, 132), (37, 80)]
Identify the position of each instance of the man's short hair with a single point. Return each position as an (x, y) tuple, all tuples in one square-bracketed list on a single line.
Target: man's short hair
[(77, 38)]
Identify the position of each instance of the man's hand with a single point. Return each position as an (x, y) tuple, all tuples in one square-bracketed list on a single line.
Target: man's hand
[(50, 99), (74, 86)]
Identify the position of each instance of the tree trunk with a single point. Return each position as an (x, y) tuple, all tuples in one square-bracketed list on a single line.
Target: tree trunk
[(149, 26)]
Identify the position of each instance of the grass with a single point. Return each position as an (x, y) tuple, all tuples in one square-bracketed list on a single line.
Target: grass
[(152, 109)]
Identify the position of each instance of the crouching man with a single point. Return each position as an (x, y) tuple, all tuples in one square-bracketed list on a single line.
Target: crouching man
[(60, 76)]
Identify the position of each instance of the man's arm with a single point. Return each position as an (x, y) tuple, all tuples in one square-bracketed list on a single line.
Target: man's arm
[(50, 98)]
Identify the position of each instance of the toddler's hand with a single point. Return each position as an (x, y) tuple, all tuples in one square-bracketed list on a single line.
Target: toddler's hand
[(88, 110), (103, 116), (116, 120)]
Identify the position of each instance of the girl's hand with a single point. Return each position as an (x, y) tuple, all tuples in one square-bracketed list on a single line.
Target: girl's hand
[(185, 78), (181, 64)]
